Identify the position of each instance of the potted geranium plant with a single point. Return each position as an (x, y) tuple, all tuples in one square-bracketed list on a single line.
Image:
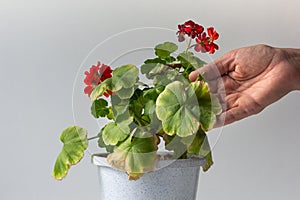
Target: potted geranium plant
[(172, 110)]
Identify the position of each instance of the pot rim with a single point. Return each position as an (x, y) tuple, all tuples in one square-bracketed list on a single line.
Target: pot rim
[(163, 161)]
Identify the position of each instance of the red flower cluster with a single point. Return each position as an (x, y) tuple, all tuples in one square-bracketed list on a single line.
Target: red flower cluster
[(204, 42), (97, 74), (190, 28)]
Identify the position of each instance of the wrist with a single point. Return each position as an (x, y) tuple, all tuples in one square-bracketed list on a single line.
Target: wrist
[(292, 57)]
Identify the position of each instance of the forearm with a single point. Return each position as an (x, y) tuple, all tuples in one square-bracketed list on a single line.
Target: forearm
[(293, 59)]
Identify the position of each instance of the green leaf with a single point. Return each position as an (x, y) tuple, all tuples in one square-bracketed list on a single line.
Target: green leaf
[(152, 93), (200, 146), (178, 110), (209, 162), (136, 106), (135, 156), (110, 114), (125, 93), (149, 107), (99, 108), (113, 133), (162, 74), (153, 69), (164, 50), (119, 106), (124, 77), (109, 148), (155, 60), (75, 143), (168, 77), (190, 62), (209, 104), (195, 143), (175, 144), (101, 89)]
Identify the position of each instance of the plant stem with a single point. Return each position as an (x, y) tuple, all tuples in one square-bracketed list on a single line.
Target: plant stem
[(95, 137), (192, 46), (188, 45)]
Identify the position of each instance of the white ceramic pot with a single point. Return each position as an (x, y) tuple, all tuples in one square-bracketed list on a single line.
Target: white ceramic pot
[(173, 179)]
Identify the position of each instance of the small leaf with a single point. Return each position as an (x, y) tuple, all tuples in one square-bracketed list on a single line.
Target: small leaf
[(109, 148), (101, 89), (175, 144), (124, 77), (110, 114), (112, 133), (75, 143), (209, 162), (155, 60), (137, 103), (190, 62), (119, 106), (164, 50), (99, 108), (168, 77), (153, 69), (135, 156), (152, 93)]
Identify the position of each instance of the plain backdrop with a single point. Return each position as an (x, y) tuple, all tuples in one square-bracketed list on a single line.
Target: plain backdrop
[(43, 43)]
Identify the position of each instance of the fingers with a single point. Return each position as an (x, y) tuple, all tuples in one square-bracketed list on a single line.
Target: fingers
[(230, 116), (209, 71), (215, 69), (236, 109)]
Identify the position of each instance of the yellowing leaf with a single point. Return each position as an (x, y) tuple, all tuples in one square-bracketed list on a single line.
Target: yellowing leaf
[(135, 156), (75, 143)]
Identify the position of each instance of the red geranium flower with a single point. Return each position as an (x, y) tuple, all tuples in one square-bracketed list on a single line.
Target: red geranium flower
[(212, 34), (213, 47), (181, 33), (202, 43), (189, 28), (97, 74), (206, 44)]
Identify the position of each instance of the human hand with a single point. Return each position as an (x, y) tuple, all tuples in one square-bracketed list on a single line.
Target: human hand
[(246, 80)]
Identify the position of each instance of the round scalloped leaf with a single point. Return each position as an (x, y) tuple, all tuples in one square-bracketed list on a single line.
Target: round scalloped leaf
[(99, 108), (75, 143), (112, 133), (164, 50), (178, 109), (124, 77), (135, 156)]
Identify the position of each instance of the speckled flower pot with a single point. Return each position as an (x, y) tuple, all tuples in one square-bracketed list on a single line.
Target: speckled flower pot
[(173, 179)]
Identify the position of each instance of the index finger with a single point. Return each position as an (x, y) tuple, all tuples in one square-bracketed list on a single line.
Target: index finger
[(215, 69)]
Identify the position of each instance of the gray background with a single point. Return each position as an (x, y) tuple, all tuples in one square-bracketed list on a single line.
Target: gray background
[(42, 44)]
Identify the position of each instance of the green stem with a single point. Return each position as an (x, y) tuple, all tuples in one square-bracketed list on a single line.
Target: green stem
[(188, 45), (192, 46), (95, 137)]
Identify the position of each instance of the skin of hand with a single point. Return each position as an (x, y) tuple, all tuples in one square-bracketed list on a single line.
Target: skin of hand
[(248, 79)]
